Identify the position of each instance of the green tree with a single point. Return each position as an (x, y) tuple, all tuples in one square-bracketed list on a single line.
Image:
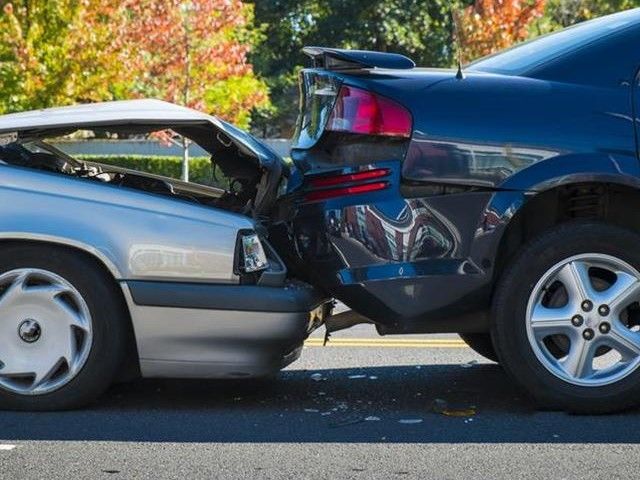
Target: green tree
[(563, 13), (49, 56)]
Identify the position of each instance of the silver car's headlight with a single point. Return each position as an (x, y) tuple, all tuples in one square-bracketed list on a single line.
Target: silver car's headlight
[(252, 258)]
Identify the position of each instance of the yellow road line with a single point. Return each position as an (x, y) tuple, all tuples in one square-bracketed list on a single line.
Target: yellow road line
[(387, 343), (391, 339)]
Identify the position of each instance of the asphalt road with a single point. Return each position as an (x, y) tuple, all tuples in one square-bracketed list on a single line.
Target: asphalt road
[(423, 407)]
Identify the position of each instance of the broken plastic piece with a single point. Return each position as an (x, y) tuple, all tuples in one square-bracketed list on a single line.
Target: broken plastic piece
[(410, 421), (442, 407)]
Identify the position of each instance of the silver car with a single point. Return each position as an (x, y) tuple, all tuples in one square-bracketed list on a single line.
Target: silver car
[(106, 272)]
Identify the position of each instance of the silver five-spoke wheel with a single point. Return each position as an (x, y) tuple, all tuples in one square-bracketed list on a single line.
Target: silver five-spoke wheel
[(45, 331), (582, 319)]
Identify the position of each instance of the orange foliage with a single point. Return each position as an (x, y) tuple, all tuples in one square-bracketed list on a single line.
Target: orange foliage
[(179, 51), (491, 25)]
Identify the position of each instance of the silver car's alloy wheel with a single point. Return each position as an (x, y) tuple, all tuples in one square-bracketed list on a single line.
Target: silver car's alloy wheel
[(45, 331), (583, 320)]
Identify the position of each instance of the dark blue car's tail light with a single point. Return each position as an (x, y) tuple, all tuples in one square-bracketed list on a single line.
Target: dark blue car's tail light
[(333, 186), (366, 113)]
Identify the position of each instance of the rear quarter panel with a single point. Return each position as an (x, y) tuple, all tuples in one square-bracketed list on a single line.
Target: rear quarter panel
[(486, 128)]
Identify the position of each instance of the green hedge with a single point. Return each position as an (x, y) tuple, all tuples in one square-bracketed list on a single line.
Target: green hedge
[(200, 170)]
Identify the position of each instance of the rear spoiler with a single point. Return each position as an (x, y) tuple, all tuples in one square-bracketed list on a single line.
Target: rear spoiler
[(339, 59)]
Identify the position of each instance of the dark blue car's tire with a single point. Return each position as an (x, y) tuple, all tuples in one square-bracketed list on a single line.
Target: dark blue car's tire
[(566, 318), (63, 328), (482, 344)]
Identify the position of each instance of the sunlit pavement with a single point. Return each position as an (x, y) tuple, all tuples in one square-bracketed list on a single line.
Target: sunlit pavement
[(364, 407)]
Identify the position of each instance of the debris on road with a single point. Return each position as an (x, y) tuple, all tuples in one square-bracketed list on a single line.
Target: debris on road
[(355, 377), (461, 412), (410, 421), (442, 407), (316, 377), (372, 419), (469, 364)]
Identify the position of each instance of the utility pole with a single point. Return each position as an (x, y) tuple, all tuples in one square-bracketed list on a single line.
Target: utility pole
[(186, 9)]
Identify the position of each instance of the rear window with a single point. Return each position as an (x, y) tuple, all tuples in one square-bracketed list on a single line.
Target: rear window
[(526, 56)]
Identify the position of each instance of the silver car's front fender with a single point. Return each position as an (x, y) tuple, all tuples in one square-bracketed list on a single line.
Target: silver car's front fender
[(136, 235)]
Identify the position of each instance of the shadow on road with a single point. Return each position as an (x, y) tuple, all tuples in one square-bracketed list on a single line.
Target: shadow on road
[(381, 404)]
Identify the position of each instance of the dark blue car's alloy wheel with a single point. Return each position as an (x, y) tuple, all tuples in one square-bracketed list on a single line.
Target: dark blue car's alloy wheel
[(578, 320)]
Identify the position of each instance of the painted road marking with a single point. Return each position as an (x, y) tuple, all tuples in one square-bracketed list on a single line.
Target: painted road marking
[(388, 343), (7, 447)]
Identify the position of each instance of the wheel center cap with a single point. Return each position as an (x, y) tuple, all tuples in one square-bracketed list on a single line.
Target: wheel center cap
[(29, 331)]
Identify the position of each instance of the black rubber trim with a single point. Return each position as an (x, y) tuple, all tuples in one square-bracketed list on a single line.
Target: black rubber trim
[(293, 297)]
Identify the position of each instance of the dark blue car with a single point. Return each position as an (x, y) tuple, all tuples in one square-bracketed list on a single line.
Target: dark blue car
[(500, 202)]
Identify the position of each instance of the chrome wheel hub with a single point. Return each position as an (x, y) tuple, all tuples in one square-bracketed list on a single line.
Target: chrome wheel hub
[(45, 331), (583, 320), (29, 331)]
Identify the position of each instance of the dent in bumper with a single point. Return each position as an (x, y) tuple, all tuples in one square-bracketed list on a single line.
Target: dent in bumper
[(403, 263)]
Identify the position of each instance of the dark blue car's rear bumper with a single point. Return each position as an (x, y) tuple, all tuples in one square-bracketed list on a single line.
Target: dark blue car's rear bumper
[(405, 263)]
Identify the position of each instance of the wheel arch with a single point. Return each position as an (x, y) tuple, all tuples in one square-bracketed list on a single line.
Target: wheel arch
[(86, 249), (607, 198)]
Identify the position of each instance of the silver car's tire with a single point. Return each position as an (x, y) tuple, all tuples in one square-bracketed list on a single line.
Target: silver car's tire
[(62, 328), (567, 318)]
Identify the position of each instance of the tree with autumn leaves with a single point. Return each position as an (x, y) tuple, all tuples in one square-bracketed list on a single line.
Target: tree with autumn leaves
[(220, 55), (57, 52), (488, 26), (193, 53)]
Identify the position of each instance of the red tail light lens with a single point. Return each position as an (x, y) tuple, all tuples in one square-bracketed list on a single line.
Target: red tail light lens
[(337, 182), (364, 112), (322, 182), (344, 191)]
